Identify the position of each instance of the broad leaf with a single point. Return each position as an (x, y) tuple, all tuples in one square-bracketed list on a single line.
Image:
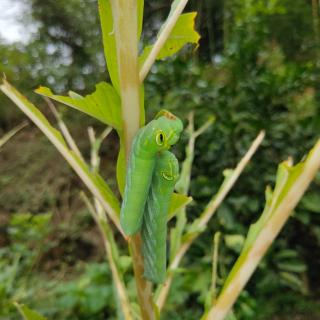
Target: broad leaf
[(28, 314), (183, 32), (178, 201), (103, 104), (94, 182)]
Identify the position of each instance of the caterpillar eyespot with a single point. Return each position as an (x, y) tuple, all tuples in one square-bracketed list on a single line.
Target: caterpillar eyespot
[(160, 139), (167, 176)]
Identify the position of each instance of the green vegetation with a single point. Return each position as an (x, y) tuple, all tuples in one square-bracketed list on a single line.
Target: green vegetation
[(257, 68)]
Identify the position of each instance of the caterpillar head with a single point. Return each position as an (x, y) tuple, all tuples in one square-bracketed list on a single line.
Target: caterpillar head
[(160, 134)]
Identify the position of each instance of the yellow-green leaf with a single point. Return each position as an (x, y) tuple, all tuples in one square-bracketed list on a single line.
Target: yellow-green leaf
[(103, 104), (121, 168), (178, 201), (183, 32), (28, 314), (140, 17)]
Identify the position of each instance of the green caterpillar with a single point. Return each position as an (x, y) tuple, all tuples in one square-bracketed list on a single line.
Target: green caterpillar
[(154, 227), (157, 136)]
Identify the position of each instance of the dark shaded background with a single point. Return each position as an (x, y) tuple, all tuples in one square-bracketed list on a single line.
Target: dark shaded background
[(257, 67)]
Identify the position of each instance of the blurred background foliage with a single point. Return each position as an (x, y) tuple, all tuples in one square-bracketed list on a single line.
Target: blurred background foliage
[(257, 67)]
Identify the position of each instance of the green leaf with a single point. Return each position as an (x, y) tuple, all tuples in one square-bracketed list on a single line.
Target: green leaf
[(140, 17), (182, 33), (93, 181), (121, 168), (178, 201), (27, 313), (292, 266), (234, 241), (109, 41), (103, 104)]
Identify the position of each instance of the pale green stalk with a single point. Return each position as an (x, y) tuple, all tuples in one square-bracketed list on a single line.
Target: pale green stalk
[(64, 129), (249, 260), (109, 242), (98, 213), (100, 218), (206, 215), (183, 184), (4, 139), (216, 240)]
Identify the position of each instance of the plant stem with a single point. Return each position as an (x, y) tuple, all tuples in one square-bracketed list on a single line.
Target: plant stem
[(99, 216), (206, 216), (108, 240), (164, 35), (183, 184), (144, 288), (12, 132), (126, 32), (64, 129), (246, 265), (216, 240)]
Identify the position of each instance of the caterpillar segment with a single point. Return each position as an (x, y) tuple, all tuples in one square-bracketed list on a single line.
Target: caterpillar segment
[(154, 227)]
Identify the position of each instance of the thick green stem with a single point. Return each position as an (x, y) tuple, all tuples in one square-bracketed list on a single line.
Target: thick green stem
[(126, 31)]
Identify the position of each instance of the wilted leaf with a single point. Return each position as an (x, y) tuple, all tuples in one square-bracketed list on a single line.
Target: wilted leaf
[(103, 104)]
